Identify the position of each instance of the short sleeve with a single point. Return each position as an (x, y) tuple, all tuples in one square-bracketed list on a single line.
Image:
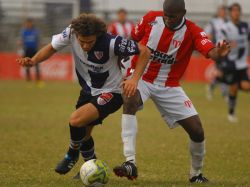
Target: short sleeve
[(59, 41), (201, 41), (139, 30), (125, 47)]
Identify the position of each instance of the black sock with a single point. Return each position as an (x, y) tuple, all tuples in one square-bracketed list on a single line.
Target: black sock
[(231, 104), (87, 149), (76, 137)]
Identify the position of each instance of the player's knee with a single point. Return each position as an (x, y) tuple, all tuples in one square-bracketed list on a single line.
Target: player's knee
[(130, 105), (198, 134), (75, 120), (245, 86)]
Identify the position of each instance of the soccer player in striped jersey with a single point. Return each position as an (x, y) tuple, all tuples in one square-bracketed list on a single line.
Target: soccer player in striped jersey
[(122, 26), (235, 65), (172, 38), (96, 55)]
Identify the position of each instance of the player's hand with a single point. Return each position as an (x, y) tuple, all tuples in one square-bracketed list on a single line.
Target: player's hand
[(129, 87), (26, 62), (223, 48)]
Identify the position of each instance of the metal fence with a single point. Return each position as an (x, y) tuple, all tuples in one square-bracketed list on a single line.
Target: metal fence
[(51, 16)]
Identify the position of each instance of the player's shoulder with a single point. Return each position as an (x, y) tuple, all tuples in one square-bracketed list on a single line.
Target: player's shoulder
[(152, 14), (104, 40), (192, 26)]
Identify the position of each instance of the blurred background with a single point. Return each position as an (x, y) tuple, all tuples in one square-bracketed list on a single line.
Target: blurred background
[(52, 16)]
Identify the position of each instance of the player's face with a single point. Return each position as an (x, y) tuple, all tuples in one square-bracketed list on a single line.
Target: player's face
[(222, 12), (235, 13), (173, 19), (87, 42), (122, 16)]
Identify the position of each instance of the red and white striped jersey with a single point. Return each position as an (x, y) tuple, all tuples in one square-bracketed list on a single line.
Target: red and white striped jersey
[(171, 50), (124, 30)]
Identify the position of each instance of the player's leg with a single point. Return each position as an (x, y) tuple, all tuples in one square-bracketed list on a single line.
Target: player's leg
[(87, 148), (244, 80), (193, 127), (77, 134), (232, 101), (245, 85), (175, 107), (28, 76), (129, 129), (78, 131), (106, 104)]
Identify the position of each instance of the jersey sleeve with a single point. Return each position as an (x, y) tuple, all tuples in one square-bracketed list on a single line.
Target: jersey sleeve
[(111, 29), (59, 41), (125, 47), (201, 41), (139, 30)]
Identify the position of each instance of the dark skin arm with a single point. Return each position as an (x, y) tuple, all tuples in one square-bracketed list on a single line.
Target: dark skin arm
[(221, 50)]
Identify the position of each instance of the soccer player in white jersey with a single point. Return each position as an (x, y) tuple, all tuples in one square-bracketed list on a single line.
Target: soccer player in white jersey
[(235, 64), (172, 38), (213, 29), (96, 60), (122, 26)]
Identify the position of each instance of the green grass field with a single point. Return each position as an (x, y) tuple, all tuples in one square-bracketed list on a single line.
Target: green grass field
[(34, 137)]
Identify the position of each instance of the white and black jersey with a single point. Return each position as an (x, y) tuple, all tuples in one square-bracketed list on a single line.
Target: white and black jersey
[(97, 70), (238, 36), (214, 28)]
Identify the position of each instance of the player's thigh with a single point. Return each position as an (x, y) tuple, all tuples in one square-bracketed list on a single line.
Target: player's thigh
[(173, 104), (245, 85), (106, 104), (84, 115), (131, 104), (244, 80), (144, 89)]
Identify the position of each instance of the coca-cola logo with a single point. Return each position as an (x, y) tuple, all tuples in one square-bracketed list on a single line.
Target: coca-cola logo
[(55, 69)]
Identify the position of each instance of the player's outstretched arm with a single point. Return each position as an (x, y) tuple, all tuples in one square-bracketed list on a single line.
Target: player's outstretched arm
[(43, 54), (130, 86), (221, 50)]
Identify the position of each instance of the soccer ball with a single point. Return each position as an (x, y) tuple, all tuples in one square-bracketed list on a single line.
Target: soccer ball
[(94, 173)]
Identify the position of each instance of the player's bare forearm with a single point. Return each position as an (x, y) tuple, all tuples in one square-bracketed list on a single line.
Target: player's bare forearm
[(220, 51), (141, 62), (43, 54), (130, 85)]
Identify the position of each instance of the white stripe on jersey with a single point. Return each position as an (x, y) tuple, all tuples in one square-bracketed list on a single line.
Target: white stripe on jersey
[(156, 32), (154, 37), (173, 49), (119, 29)]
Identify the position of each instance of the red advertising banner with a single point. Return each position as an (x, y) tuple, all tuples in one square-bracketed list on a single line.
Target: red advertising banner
[(60, 67)]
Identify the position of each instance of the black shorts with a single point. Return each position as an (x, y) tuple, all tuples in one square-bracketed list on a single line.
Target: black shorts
[(235, 76), (106, 103), (30, 52)]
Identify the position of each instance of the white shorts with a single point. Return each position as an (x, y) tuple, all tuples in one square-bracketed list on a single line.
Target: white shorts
[(172, 102)]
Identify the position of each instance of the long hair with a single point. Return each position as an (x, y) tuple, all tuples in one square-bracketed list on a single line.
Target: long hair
[(88, 24)]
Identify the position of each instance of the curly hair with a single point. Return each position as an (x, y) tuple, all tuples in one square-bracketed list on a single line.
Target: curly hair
[(88, 24)]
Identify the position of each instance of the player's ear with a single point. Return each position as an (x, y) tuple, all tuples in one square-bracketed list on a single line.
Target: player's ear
[(184, 12)]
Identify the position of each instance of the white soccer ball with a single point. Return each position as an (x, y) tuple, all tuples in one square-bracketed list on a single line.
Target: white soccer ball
[(94, 173)]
